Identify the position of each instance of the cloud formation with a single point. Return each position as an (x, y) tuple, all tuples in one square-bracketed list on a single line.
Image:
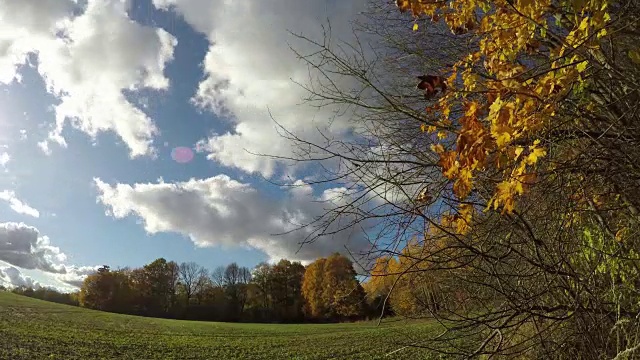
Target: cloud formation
[(11, 277), (88, 61), (17, 205), (222, 211), (23, 246), (250, 72)]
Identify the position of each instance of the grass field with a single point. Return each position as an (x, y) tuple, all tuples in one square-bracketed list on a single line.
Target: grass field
[(35, 329)]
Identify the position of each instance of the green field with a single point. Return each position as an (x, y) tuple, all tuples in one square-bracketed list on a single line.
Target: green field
[(35, 329)]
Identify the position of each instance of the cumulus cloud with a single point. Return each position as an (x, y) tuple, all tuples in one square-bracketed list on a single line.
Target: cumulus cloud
[(87, 61), (17, 205), (74, 275), (23, 246), (10, 277), (222, 211), (250, 72)]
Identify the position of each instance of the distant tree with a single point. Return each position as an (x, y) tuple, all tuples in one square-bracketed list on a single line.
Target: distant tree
[(379, 285), (312, 289), (263, 281), (235, 280), (218, 276), (155, 288), (331, 289), (192, 277), (286, 289), (106, 290), (342, 291)]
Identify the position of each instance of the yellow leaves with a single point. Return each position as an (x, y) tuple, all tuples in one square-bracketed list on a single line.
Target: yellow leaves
[(602, 33), (427, 128), (415, 26), (582, 66), (437, 148), (449, 164), (469, 80), (503, 122), (459, 223), (506, 98), (584, 25), (579, 34), (535, 152), (463, 220), (495, 107), (462, 186), (505, 194), (403, 5), (503, 138), (517, 151), (472, 109)]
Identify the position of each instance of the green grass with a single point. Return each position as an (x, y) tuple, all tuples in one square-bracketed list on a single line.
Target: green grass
[(35, 329)]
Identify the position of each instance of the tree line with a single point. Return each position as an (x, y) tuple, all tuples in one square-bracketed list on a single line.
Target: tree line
[(44, 293), (326, 290)]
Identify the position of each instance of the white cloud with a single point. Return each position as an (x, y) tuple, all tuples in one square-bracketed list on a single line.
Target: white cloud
[(100, 54), (44, 146), (17, 205), (26, 25), (4, 159), (10, 277), (222, 211), (23, 246), (250, 71)]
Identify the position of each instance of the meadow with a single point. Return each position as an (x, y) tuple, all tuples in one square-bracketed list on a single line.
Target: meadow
[(36, 329)]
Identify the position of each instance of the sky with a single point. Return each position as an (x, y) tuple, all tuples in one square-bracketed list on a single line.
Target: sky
[(129, 131)]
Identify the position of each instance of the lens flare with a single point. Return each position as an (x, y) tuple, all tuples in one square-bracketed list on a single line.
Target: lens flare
[(182, 154)]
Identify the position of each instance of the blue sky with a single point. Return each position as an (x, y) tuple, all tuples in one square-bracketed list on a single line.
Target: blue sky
[(94, 95)]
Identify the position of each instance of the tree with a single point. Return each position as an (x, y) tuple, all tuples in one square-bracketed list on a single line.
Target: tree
[(342, 292), (262, 278), (106, 290), (331, 290), (286, 289), (235, 280), (192, 278), (514, 165), (312, 289), (155, 287)]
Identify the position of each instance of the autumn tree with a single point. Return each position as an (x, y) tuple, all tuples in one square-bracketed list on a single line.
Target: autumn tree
[(331, 289), (155, 287), (312, 289), (501, 135)]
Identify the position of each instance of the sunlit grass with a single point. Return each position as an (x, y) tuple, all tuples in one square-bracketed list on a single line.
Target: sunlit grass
[(34, 329)]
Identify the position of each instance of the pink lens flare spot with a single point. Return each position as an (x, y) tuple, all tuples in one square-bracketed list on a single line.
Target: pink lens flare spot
[(182, 154)]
